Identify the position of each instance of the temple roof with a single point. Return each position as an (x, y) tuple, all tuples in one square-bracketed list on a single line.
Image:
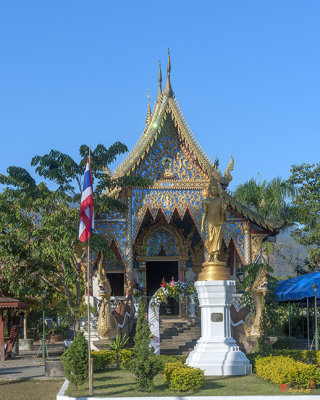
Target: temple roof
[(167, 104)]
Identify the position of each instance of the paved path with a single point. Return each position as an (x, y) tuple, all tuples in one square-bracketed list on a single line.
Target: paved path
[(21, 369)]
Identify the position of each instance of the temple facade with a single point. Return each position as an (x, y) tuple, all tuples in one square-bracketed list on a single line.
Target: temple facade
[(160, 234)]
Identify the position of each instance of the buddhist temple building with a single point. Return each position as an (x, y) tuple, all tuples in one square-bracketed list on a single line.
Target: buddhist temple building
[(160, 235)]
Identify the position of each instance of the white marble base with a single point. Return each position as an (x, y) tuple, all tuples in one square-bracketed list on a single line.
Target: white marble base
[(94, 335), (216, 352)]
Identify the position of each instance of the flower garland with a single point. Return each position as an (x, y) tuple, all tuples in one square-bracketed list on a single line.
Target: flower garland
[(173, 290)]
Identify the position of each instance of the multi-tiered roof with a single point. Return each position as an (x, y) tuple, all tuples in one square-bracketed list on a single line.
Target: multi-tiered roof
[(166, 104)]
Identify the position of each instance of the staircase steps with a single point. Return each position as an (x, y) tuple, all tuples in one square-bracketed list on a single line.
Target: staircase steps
[(178, 336)]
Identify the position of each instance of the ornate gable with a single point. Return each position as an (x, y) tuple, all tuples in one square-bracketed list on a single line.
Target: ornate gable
[(169, 157)]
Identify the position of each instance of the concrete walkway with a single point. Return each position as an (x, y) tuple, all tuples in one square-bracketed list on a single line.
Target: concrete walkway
[(21, 369), (27, 365)]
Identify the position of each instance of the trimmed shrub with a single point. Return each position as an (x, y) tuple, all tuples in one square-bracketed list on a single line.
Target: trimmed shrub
[(163, 359), (105, 359), (285, 370), (125, 358), (75, 360), (182, 378), (186, 379), (305, 356), (169, 368), (284, 343)]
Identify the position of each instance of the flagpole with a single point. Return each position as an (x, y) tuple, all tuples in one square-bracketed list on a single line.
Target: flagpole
[(88, 299)]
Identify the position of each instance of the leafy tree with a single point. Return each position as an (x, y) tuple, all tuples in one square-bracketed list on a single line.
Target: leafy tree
[(306, 210), (39, 227), (75, 360), (144, 367)]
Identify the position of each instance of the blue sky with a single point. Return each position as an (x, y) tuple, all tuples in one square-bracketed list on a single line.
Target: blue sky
[(246, 75)]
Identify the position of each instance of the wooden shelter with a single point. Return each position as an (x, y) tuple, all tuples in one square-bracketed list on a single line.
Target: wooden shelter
[(8, 315)]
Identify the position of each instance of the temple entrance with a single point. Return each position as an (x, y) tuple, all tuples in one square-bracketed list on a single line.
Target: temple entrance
[(156, 271)]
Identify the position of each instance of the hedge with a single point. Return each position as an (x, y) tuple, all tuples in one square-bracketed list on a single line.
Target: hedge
[(107, 359), (305, 356), (182, 378), (285, 370)]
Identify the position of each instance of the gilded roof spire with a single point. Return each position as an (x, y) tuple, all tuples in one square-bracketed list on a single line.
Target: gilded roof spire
[(160, 85), (168, 89), (149, 113)]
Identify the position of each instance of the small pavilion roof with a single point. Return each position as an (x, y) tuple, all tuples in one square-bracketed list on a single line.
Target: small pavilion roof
[(9, 302)]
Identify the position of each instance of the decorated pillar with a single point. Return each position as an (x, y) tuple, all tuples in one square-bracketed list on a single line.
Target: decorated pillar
[(129, 243), (142, 277), (247, 242), (182, 268)]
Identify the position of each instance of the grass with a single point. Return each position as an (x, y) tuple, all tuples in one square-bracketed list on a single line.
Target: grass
[(121, 383), (30, 390)]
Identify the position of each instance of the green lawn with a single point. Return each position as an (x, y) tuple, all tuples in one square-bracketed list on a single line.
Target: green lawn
[(121, 383), (30, 390)]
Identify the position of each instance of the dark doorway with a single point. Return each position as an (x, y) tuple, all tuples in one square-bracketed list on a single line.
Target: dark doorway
[(156, 271), (117, 284)]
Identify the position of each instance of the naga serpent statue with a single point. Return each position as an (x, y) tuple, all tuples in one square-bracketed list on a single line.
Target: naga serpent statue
[(105, 328), (259, 290)]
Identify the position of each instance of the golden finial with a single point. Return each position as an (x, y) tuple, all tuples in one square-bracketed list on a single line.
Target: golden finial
[(160, 85), (168, 89), (149, 113)]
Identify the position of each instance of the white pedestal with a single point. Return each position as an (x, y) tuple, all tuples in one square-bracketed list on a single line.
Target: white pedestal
[(216, 352)]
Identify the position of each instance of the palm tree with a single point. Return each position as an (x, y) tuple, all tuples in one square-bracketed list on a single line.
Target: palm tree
[(268, 199), (271, 201)]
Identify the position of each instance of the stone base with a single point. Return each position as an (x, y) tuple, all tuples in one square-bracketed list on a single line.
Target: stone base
[(26, 344), (54, 368), (219, 359), (94, 335), (216, 352)]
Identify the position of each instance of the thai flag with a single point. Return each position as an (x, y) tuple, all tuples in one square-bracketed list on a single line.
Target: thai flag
[(86, 207)]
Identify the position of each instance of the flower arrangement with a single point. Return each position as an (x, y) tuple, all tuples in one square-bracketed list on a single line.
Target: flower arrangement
[(136, 293), (173, 289)]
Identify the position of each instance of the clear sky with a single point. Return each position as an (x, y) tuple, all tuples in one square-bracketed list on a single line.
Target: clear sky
[(246, 75)]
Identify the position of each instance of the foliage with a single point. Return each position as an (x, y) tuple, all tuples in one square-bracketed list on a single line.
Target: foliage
[(169, 368), (143, 365), (39, 244), (268, 199), (182, 378), (117, 345), (284, 343), (251, 271), (75, 360), (163, 359), (306, 356), (105, 359), (263, 341), (285, 370), (59, 330), (305, 210)]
